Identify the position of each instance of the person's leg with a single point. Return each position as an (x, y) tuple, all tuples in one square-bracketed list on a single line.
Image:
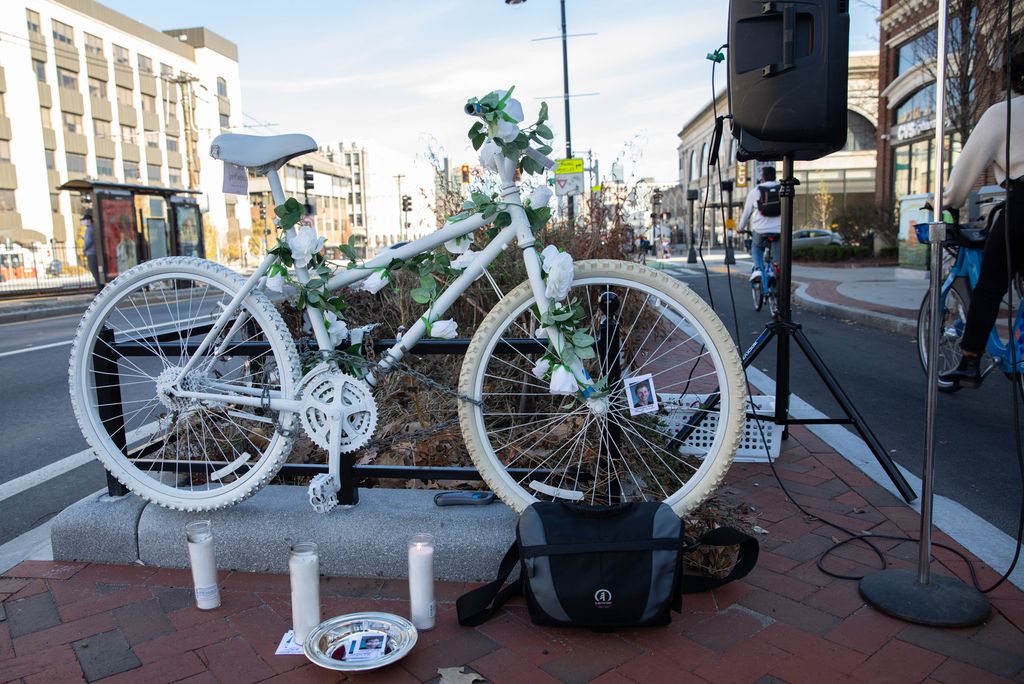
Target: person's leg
[(993, 281), (757, 252), (777, 253)]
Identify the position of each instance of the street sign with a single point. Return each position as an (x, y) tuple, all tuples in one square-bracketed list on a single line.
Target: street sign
[(566, 166), (568, 177)]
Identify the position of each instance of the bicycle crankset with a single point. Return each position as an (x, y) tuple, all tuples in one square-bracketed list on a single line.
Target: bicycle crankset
[(332, 400)]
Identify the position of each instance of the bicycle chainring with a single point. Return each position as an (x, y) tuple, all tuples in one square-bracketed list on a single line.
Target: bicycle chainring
[(332, 400)]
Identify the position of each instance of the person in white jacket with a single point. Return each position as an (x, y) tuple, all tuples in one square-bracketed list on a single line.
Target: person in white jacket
[(761, 225), (987, 145)]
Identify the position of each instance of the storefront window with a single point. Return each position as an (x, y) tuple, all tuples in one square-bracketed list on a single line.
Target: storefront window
[(920, 167), (915, 51), (920, 105), (913, 164)]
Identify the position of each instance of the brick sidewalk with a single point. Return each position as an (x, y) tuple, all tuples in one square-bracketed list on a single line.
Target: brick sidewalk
[(786, 622)]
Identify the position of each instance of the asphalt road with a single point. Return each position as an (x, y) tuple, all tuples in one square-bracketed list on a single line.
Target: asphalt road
[(975, 462)]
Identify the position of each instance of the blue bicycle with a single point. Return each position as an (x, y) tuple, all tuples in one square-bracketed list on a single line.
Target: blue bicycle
[(765, 288), (964, 245)]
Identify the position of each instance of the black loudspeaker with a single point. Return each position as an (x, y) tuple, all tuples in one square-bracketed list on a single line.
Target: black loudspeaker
[(788, 68)]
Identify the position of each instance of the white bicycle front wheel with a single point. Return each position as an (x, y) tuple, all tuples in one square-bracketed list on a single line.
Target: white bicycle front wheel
[(126, 368), (531, 445)]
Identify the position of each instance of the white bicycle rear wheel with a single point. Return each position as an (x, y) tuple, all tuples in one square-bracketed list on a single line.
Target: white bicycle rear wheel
[(531, 445), (183, 453)]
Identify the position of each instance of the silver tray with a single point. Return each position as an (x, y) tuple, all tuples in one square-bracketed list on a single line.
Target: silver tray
[(330, 634)]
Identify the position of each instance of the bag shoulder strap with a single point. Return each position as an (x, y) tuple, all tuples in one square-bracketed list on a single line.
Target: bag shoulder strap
[(745, 561), (477, 605)]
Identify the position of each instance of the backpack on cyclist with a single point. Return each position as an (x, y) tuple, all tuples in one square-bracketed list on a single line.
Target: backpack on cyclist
[(768, 202), (601, 566)]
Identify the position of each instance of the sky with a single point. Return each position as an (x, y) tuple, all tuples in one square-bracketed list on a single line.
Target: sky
[(393, 74)]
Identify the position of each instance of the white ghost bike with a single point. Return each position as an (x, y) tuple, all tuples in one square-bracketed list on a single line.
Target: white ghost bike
[(212, 391)]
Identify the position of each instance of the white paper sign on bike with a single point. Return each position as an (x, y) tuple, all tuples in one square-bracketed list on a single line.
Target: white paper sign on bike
[(568, 177)]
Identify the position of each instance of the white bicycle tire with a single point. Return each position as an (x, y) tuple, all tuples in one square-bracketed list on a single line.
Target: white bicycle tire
[(722, 349), (80, 370)]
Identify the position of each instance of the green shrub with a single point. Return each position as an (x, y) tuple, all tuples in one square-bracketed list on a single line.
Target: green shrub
[(889, 252), (831, 253)]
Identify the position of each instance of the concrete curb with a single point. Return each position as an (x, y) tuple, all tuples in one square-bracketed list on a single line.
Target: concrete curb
[(874, 319), (367, 540)]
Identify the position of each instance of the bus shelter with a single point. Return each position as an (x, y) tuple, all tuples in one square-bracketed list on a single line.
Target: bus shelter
[(136, 223)]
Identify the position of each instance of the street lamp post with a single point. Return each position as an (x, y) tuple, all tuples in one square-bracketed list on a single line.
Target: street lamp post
[(570, 204), (730, 255), (692, 195)]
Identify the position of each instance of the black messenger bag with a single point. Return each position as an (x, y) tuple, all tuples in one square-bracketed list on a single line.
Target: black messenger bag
[(600, 566)]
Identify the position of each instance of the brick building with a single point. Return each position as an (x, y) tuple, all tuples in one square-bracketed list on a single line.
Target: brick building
[(906, 103)]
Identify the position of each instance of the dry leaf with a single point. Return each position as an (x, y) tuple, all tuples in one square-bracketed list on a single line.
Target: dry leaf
[(455, 675)]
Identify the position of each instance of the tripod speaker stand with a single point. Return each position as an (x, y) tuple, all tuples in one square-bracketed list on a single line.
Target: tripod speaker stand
[(784, 330)]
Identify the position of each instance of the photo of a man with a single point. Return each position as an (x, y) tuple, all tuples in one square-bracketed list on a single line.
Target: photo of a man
[(640, 395)]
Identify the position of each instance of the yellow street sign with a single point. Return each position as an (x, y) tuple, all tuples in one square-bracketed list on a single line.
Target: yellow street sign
[(741, 174), (730, 224), (596, 188), (568, 166)]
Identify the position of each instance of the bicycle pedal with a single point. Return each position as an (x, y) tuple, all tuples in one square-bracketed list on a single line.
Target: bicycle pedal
[(323, 493)]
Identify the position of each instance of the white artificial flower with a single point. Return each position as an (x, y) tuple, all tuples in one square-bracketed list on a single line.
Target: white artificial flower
[(540, 197), (560, 273), (507, 131), (274, 282), (513, 107), (304, 243), (548, 252), (541, 334), (356, 334), (541, 369), (375, 283), (444, 330), (460, 244), (464, 260), (336, 328), (490, 156), (563, 381)]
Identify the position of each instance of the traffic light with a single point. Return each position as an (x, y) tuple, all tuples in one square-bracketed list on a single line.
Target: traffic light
[(307, 176), (406, 203), (465, 173)]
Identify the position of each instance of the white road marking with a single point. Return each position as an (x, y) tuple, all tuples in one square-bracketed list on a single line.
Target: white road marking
[(64, 465), (37, 347), (128, 330), (48, 472)]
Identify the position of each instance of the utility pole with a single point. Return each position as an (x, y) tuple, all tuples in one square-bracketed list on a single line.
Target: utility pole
[(570, 208), (189, 127), (401, 219)]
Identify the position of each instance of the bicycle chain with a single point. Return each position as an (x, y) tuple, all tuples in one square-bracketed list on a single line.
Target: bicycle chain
[(308, 351)]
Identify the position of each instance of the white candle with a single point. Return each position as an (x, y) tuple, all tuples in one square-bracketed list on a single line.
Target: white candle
[(204, 564), (304, 570), (421, 581)]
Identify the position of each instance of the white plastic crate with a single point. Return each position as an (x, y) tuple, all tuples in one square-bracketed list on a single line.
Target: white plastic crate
[(752, 443)]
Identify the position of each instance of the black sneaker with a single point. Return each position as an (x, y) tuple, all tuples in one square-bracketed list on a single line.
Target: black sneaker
[(966, 374)]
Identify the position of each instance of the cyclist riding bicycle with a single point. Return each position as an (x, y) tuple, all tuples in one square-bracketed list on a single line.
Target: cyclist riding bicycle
[(987, 145), (763, 210)]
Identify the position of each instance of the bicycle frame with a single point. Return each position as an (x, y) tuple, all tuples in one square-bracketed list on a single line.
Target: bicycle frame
[(519, 230), (968, 264)]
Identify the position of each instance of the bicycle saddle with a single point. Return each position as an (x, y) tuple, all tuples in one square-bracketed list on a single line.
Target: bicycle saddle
[(260, 152)]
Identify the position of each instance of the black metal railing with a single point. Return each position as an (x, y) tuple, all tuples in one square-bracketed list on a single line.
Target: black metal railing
[(108, 394), (52, 268)]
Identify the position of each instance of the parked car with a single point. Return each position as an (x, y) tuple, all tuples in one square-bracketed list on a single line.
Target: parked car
[(809, 237)]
